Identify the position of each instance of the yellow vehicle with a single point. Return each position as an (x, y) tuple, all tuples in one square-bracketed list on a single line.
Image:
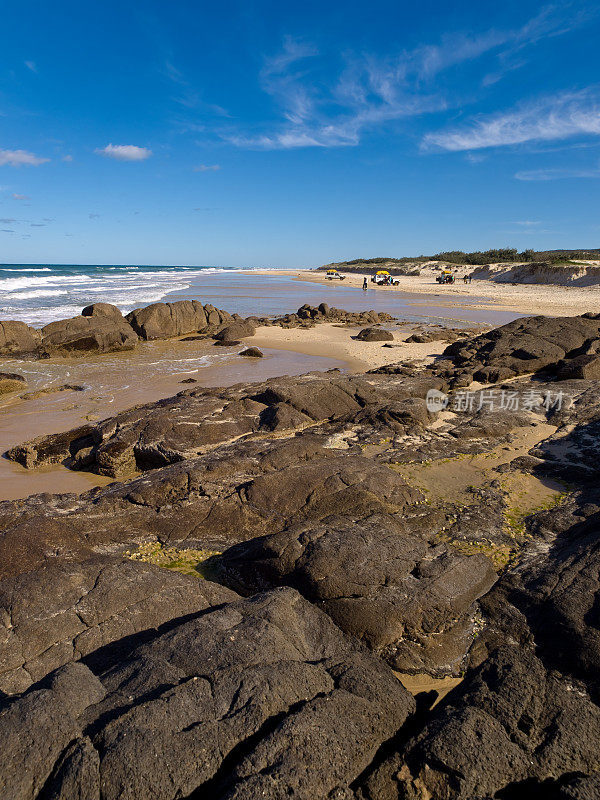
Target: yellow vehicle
[(446, 276), (383, 278)]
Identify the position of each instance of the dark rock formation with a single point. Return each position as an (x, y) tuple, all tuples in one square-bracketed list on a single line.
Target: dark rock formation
[(18, 339), (166, 320), (180, 427), (224, 497), (584, 367), (11, 382), (410, 600), (235, 332), (511, 730), (308, 315), (102, 310), (92, 610), (375, 335), (327, 493), (252, 352), (84, 335), (259, 698), (524, 346)]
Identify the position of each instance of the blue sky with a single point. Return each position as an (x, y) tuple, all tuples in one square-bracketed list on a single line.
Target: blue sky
[(296, 133)]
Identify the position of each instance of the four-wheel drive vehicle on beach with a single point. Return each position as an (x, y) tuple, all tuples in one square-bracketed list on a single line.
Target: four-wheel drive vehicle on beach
[(383, 278), (445, 276), (334, 275)]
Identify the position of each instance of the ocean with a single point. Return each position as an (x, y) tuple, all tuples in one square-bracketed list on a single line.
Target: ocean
[(39, 294)]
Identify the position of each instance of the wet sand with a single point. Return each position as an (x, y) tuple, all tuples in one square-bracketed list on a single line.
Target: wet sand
[(114, 382), (473, 301), (338, 341)]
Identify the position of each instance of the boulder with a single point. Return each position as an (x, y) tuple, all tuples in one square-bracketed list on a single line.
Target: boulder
[(584, 367), (166, 320), (102, 310), (235, 332), (410, 600), (252, 352), (11, 382), (511, 730), (374, 335), (251, 699), (18, 339), (525, 346), (81, 336)]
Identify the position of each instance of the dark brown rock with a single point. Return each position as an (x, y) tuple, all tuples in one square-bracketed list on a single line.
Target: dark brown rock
[(18, 339), (259, 698), (252, 352), (375, 335), (84, 335), (524, 346), (410, 600), (94, 610), (102, 310), (234, 332), (510, 730), (166, 320), (584, 367)]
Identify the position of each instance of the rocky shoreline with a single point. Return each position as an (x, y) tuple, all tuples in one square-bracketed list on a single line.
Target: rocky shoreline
[(339, 529), (101, 328)]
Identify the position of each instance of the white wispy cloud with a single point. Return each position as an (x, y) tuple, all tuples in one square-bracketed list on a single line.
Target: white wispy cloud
[(21, 158), (124, 152), (67, 158), (188, 95), (207, 168), (31, 65), (556, 173), (373, 90), (17, 196), (550, 118)]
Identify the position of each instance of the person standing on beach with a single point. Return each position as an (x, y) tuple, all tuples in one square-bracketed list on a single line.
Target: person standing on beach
[(365, 284)]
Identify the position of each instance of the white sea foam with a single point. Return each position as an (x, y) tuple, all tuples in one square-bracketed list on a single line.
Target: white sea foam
[(25, 269), (61, 292)]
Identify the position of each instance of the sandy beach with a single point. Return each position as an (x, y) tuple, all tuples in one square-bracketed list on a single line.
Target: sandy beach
[(550, 300), (112, 382)]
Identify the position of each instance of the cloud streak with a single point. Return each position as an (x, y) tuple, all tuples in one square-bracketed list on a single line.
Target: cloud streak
[(207, 168), (557, 173), (20, 158), (370, 91), (124, 152), (551, 118)]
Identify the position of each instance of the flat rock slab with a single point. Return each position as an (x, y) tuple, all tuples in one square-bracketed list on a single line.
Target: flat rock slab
[(65, 612), (157, 434), (242, 492)]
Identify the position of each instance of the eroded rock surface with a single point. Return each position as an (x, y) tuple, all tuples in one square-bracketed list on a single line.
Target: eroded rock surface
[(409, 599), (376, 534), (259, 698), (65, 612)]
